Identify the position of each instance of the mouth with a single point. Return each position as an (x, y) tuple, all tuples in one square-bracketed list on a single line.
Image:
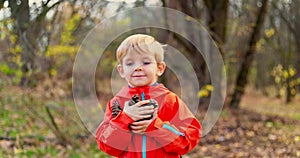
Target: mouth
[(138, 76)]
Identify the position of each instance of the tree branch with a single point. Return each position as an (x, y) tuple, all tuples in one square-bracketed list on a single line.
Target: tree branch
[(242, 78), (289, 24), (46, 3), (46, 9)]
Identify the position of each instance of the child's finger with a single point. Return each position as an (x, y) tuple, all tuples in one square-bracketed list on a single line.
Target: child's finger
[(142, 102), (155, 113), (141, 123), (136, 127), (146, 108), (144, 112), (143, 116)]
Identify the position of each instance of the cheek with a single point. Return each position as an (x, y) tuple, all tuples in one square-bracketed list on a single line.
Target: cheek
[(127, 72), (127, 69)]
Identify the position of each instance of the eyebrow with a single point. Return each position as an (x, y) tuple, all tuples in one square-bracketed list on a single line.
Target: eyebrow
[(147, 58), (144, 58), (128, 59)]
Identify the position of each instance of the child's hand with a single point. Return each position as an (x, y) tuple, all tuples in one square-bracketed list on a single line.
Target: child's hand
[(140, 127), (137, 111)]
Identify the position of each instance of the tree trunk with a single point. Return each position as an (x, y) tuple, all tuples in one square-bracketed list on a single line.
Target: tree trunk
[(29, 31), (293, 26), (297, 55), (189, 7), (20, 12), (217, 12), (298, 63), (217, 22), (241, 81), (296, 36), (217, 18)]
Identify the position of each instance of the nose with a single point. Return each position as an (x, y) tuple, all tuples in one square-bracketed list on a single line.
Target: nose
[(139, 68)]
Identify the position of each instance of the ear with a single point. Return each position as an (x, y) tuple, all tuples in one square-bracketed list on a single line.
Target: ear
[(160, 68), (120, 70)]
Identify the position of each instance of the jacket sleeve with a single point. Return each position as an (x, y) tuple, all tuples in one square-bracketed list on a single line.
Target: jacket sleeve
[(180, 131), (112, 130)]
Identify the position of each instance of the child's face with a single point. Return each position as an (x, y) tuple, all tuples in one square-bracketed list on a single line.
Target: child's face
[(140, 69)]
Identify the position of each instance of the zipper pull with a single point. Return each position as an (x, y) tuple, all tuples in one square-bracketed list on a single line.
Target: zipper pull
[(143, 96)]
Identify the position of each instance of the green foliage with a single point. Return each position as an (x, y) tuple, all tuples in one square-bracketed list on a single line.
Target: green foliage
[(29, 134), (70, 26), (261, 43), (270, 32), (12, 65), (15, 73), (285, 77), (205, 91), (59, 55), (1, 85), (5, 29), (4, 68), (271, 124), (66, 50)]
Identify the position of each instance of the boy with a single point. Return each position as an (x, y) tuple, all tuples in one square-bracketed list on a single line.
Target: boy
[(145, 119)]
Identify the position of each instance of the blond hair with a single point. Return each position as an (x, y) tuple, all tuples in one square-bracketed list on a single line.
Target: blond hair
[(142, 44)]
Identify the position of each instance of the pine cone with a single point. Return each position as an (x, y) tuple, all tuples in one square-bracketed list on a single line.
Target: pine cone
[(115, 108), (134, 100)]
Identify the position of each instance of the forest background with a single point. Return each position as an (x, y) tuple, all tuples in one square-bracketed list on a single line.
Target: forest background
[(258, 40)]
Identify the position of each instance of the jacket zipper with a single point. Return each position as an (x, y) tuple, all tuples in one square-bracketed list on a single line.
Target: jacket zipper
[(144, 138)]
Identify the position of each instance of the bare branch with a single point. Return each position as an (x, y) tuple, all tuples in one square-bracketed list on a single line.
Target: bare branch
[(290, 25), (45, 4), (46, 9)]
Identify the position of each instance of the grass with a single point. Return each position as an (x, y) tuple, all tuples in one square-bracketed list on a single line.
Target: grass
[(273, 106), (24, 121), (26, 128), (254, 101)]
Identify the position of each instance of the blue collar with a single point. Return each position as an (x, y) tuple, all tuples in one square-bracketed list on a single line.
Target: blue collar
[(154, 84)]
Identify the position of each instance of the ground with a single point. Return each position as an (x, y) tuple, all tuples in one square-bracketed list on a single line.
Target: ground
[(262, 127)]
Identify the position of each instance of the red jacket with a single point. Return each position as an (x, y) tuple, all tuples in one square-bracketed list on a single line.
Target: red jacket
[(173, 133)]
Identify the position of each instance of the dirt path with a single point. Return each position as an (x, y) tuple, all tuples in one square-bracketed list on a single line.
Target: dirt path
[(258, 129)]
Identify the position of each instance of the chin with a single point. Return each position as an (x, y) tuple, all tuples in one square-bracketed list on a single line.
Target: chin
[(139, 84)]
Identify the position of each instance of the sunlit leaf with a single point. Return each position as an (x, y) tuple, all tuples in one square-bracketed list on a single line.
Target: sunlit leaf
[(269, 32), (203, 93), (292, 71), (297, 138), (209, 87), (285, 74)]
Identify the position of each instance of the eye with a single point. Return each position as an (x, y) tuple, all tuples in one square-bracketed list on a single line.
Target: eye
[(146, 62), (129, 64)]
